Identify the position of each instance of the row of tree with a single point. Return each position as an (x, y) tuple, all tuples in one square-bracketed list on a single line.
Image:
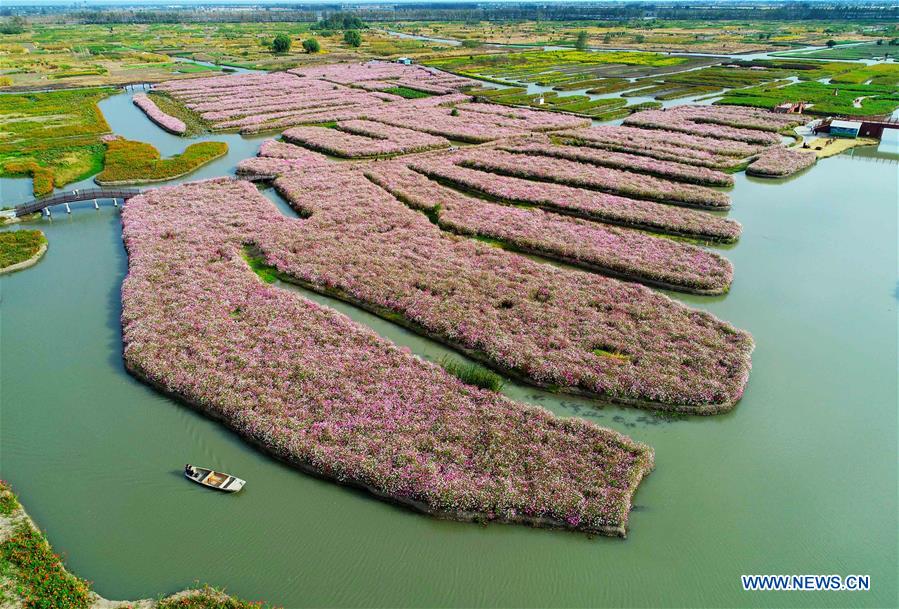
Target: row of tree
[(282, 42), (336, 19)]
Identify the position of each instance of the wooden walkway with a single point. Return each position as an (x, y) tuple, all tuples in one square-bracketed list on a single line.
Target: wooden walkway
[(64, 198)]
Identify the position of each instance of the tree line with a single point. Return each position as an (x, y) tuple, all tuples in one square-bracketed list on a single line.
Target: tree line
[(333, 16)]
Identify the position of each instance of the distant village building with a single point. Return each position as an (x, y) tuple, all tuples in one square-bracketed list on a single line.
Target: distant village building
[(406, 61)]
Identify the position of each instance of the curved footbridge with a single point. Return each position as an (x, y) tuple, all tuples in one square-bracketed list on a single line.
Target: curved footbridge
[(43, 204)]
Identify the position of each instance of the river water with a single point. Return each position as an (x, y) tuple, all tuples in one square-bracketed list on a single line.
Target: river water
[(800, 478)]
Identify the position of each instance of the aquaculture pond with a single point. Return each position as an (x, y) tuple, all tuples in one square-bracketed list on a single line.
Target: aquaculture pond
[(801, 477)]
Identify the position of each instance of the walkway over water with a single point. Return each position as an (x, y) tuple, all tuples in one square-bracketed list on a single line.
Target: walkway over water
[(64, 198)]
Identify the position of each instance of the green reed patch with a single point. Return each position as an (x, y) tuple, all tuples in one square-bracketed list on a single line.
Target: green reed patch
[(471, 373), (257, 264), (407, 92)]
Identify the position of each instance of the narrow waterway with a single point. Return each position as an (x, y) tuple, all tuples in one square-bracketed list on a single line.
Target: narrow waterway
[(800, 478)]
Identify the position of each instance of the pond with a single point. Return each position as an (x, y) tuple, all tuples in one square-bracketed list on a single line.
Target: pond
[(800, 478)]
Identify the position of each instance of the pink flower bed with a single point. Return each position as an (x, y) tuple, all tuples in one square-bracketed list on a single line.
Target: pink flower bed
[(169, 123), (572, 173), (331, 397), (276, 158), (619, 252), (283, 150), (260, 101), (475, 127), (257, 124), (584, 203), (671, 120), (363, 74), (779, 162), (552, 326), (267, 168), (628, 162), (692, 149), (349, 145), (408, 138), (740, 116)]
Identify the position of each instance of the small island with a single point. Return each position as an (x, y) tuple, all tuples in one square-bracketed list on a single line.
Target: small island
[(130, 162), (20, 249)]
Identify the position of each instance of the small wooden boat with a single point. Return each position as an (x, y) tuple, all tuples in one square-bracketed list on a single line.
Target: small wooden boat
[(213, 479)]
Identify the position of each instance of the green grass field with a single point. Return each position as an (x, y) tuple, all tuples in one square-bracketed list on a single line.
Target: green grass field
[(844, 53), (562, 69), (827, 99), (54, 136)]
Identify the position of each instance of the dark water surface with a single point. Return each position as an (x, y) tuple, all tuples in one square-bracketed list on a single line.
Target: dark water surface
[(800, 478)]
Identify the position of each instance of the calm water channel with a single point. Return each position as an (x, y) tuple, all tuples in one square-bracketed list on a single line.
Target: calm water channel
[(800, 478)]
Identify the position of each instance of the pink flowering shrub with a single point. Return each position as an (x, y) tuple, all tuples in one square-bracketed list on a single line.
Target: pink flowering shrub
[(169, 123), (674, 120), (665, 145), (282, 150), (474, 127), (408, 138), (618, 252), (257, 102), (387, 72), (593, 205), (628, 162), (253, 103), (331, 397), (779, 162), (360, 138), (268, 168), (548, 325), (572, 173), (276, 158), (740, 117)]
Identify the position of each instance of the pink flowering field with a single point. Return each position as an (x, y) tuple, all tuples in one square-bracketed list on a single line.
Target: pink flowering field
[(687, 121), (329, 396), (582, 175), (527, 240), (589, 204), (620, 252), (669, 170), (361, 138), (167, 122), (743, 118), (779, 162), (663, 145), (573, 330), (276, 158)]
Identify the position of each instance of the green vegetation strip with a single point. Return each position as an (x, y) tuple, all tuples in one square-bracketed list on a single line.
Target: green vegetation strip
[(195, 124), (472, 373), (407, 92), (129, 162)]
